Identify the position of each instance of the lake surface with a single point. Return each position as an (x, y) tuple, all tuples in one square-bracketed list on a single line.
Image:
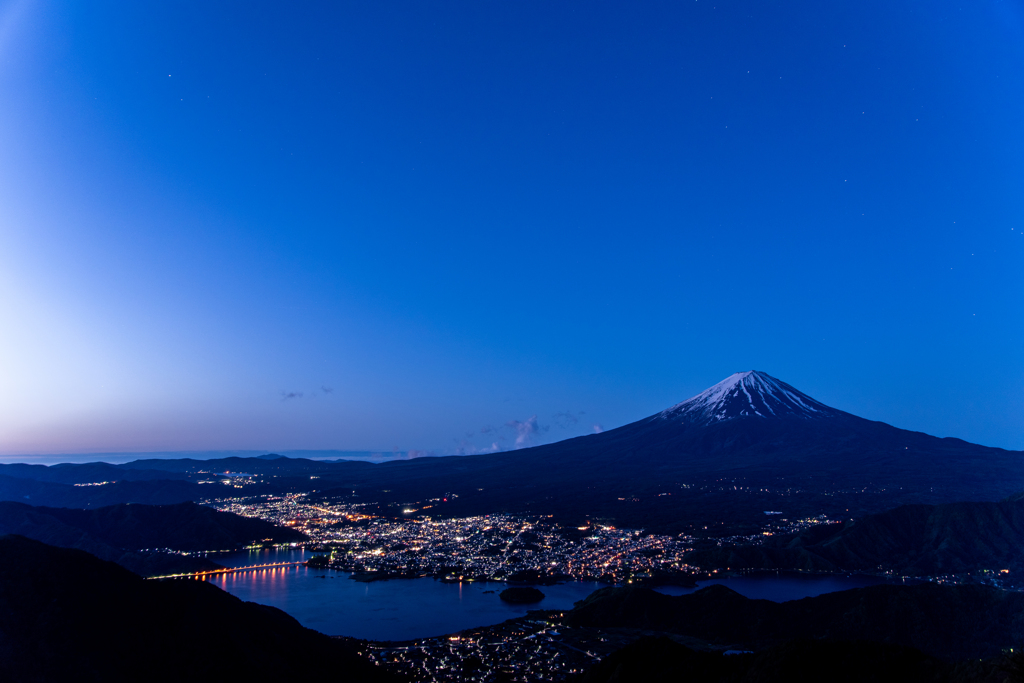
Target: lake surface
[(399, 609), (405, 609)]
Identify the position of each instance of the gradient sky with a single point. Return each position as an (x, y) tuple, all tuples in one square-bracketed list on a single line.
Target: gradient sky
[(452, 226)]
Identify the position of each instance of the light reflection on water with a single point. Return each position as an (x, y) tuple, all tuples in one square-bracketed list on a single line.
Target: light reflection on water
[(404, 609)]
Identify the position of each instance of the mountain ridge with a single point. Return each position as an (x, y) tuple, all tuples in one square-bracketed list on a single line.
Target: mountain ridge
[(912, 540), (714, 461), (948, 622), (127, 534)]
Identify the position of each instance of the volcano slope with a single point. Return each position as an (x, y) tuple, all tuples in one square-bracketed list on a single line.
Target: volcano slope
[(747, 445)]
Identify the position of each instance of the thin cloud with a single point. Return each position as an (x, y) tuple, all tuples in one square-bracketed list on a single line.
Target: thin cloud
[(567, 419), (521, 434), (327, 390), (469, 448), (289, 395), (598, 429), (525, 430)]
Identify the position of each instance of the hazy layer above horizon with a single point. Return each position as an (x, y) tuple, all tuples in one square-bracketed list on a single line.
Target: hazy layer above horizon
[(119, 458)]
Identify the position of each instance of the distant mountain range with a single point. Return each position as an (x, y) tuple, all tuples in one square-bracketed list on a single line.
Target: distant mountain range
[(129, 456), (68, 616), (172, 489), (84, 473), (129, 534), (714, 463)]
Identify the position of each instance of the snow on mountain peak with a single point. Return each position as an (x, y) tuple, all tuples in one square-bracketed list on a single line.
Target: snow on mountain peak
[(748, 394)]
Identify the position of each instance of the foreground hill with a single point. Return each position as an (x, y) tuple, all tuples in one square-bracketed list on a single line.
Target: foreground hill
[(916, 540), (70, 616), (119, 533), (947, 622), (654, 660)]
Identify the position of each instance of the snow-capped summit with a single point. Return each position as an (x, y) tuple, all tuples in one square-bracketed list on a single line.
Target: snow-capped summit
[(748, 394)]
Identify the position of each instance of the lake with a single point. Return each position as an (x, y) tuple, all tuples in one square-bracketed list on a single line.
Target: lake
[(406, 609), (399, 609)]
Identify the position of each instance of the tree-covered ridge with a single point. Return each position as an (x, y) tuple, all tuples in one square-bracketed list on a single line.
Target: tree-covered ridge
[(915, 540), (120, 533), (948, 622)]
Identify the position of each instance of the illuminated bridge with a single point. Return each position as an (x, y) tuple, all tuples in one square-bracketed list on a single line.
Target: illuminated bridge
[(227, 570)]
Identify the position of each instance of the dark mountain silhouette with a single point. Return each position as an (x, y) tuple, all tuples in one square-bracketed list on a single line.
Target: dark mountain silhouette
[(750, 444), (68, 616), (278, 465), (152, 492), (916, 540), (153, 482), (120, 533), (183, 526), (85, 473), (36, 524), (947, 622), (659, 659)]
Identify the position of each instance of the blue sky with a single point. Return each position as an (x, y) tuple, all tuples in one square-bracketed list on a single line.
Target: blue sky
[(452, 227)]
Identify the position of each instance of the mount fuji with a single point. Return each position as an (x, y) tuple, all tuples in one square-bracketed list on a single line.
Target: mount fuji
[(719, 460), (748, 394), (749, 444)]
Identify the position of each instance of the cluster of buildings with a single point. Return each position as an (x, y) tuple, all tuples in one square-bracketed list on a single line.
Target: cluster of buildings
[(351, 536), (775, 526), (490, 547), (532, 648)]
